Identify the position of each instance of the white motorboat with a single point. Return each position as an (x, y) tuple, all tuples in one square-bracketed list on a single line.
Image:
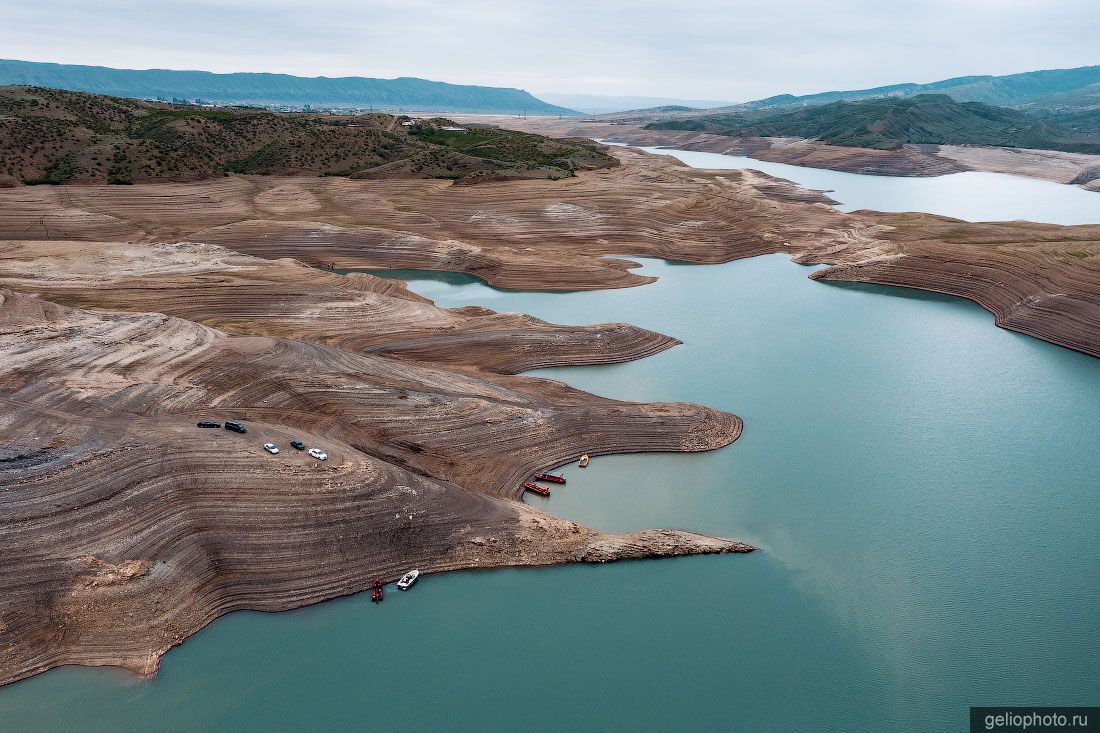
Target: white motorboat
[(408, 579)]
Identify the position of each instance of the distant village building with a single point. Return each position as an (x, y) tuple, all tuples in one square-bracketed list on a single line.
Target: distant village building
[(453, 129)]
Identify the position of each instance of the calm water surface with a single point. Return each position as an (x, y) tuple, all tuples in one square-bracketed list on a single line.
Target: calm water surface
[(972, 196), (924, 487)]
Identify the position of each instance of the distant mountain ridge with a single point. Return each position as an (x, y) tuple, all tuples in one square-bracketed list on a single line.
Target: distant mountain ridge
[(890, 122), (404, 94), (1056, 89), (604, 104)]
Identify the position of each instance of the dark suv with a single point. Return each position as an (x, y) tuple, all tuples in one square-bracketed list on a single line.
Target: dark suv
[(298, 445), (209, 424), (235, 426)]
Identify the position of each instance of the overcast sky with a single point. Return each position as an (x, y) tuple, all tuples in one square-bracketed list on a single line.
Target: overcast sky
[(732, 51)]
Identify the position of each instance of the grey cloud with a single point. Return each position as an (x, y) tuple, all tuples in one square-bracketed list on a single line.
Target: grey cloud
[(686, 48)]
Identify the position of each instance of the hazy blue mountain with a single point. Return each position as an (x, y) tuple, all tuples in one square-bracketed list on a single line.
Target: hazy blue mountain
[(600, 104), (404, 94), (1058, 90)]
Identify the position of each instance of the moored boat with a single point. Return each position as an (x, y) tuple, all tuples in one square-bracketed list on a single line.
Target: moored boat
[(552, 478), (408, 579), (540, 490), (584, 461)]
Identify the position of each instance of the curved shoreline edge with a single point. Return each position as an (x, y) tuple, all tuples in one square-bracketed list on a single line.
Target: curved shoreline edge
[(131, 313), (909, 160), (131, 530)]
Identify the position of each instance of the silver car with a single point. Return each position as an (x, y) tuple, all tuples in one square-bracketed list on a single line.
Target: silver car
[(271, 448), (319, 454)]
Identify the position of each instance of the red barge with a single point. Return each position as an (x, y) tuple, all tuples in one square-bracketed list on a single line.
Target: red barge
[(541, 491), (552, 478)]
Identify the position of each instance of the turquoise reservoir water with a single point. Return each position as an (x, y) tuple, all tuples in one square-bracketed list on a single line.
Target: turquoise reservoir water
[(924, 487), (971, 196)]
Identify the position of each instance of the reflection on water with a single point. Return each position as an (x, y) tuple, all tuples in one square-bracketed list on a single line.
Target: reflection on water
[(971, 196), (442, 277)]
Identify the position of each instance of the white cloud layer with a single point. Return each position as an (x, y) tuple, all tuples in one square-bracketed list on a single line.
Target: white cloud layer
[(676, 48)]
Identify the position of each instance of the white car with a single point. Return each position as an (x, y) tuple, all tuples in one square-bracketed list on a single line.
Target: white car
[(319, 454), (271, 448)]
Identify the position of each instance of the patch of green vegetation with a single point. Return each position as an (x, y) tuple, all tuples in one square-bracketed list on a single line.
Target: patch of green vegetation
[(1078, 255), (54, 136), (889, 123), (519, 149), (61, 171), (263, 158), (450, 138), (159, 116)]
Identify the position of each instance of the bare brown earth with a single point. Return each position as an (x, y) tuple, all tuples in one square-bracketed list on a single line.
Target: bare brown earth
[(1039, 279), (909, 160), (126, 529), (1052, 165), (129, 312), (283, 298)]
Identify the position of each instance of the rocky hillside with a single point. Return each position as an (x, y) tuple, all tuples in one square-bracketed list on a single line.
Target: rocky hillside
[(55, 136), (892, 122)]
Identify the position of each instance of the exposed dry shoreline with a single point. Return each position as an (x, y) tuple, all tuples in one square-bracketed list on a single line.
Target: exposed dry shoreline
[(126, 529), (1076, 169), (1039, 279), (131, 311)]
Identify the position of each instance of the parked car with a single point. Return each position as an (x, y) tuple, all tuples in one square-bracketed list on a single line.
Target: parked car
[(209, 424), (235, 426), (271, 448), (319, 454), (297, 445)]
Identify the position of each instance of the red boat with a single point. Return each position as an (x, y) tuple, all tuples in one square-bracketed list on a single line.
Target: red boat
[(536, 488), (552, 478), (377, 594)]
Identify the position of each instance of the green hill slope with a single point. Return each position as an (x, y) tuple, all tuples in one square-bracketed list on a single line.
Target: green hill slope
[(894, 121), (55, 136)]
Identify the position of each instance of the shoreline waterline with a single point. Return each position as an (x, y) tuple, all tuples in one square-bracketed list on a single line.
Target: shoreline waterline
[(975, 196), (880, 470)]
